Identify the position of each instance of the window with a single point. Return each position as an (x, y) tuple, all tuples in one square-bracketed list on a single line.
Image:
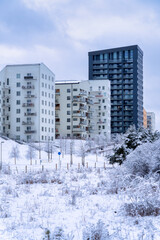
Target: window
[(18, 93), (75, 119), (68, 90), (42, 75), (68, 127), (7, 81), (18, 84), (68, 113), (103, 100), (103, 88), (18, 102), (17, 129), (42, 84), (74, 104), (18, 111), (68, 98), (18, 75), (68, 105), (68, 119), (18, 119), (74, 89)]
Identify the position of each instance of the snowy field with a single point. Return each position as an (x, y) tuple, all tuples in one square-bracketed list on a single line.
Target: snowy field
[(74, 202)]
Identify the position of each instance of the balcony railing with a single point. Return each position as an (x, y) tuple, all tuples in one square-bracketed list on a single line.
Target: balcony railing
[(28, 87), (27, 123), (30, 114), (29, 78), (28, 105), (30, 96), (30, 131), (57, 91)]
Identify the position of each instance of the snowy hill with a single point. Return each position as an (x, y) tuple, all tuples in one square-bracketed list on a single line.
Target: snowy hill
[(77, 203)]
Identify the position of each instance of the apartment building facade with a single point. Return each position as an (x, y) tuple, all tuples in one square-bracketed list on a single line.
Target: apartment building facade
[(82, 109), (151, 121), (27, 102), (124, 68)]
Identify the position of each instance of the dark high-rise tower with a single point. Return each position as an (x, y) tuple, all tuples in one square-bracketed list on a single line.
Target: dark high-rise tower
[(124, 68)]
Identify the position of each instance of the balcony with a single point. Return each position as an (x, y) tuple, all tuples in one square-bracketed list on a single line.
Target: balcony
[(57, 122), (82, 122), (83, 108), (82, 92), (101, 122), (30, 114), (29, 78), (30, 96), (78, 129), (5, 123), (57, 107), (28, 105), (78, 114), (28, 87), (57, 92), (5, 96), (89, 102), (27, 123), (6, 105), (6, 87), (29, 131), (57, 130), (78, 99), (100, 61)]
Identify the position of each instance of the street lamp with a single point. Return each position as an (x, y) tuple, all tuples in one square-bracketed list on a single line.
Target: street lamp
[(1, 156)]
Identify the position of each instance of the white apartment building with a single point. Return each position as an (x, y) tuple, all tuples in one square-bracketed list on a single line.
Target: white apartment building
[(151, 121), (82, 108), (27, 100)]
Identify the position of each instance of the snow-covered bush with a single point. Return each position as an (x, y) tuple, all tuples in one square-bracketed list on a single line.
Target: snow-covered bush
[(40, 177), (142, 209), (132, 139), (57, 234), (145, 160), (96, 232)]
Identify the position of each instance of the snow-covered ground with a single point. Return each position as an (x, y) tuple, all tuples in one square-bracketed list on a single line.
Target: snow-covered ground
[(71, 203)]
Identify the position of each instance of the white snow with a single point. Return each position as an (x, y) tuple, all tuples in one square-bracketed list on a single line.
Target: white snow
[(71, 199)]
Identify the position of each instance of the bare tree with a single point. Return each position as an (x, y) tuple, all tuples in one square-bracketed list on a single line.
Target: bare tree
[(82, 152), (31, 153), (48, 149), (15, 153), (71, 151)]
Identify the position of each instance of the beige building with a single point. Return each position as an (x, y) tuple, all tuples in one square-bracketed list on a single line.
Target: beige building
[(144, 118), (82, 108)]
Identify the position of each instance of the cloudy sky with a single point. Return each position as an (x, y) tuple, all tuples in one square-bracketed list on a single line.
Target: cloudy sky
[(60, 33)]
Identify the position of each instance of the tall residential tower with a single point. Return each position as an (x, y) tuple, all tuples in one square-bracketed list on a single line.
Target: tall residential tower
[(124, 68)]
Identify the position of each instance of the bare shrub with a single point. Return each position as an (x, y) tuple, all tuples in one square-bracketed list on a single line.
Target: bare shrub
[(96, 232), (142, 209)]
